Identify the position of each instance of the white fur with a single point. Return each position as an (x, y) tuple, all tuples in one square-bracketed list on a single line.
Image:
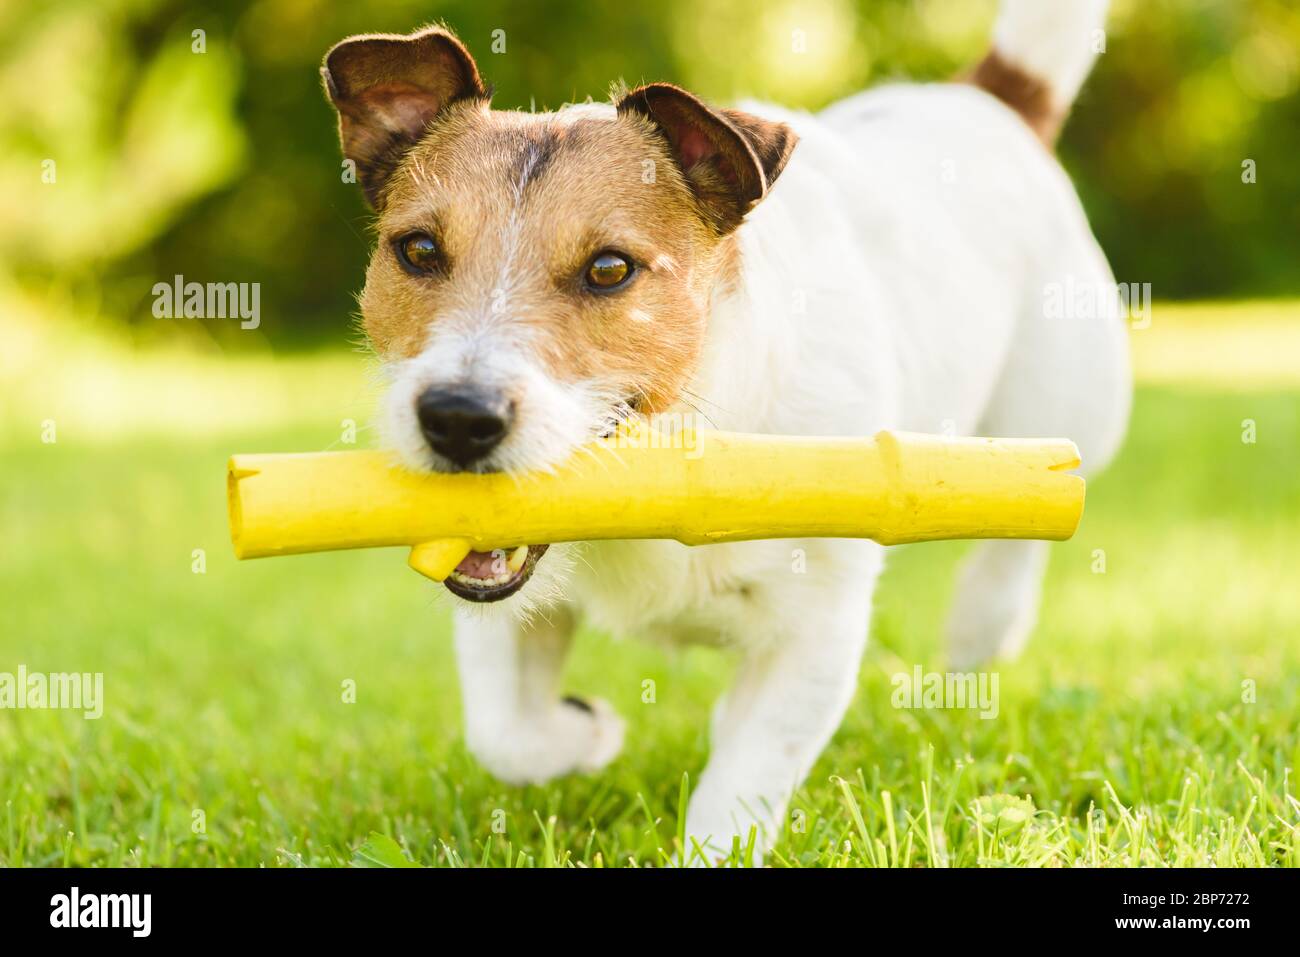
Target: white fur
[(491, 350), (894, 278), (1054, 40)]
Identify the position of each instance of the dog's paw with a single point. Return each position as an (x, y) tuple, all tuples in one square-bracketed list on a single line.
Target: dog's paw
[(710, 847), (573, 735), (606, 732), (713, 832)]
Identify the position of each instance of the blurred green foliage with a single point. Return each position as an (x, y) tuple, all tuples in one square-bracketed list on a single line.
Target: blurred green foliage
[(222, 165)]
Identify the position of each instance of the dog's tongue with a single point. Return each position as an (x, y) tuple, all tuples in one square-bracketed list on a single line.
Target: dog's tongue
[(478, 565), (488, 565)]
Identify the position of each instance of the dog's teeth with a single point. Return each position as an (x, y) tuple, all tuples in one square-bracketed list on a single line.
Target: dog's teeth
[(517, 559)]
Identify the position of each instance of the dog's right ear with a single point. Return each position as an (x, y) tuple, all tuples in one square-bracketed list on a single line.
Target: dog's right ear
[(388, 88)]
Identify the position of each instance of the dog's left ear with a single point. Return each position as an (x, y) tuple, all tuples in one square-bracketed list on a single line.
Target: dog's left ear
[(388, 88), (730, 158)]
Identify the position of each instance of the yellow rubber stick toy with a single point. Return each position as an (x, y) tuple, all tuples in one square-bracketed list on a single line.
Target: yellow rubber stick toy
[(698, 488)]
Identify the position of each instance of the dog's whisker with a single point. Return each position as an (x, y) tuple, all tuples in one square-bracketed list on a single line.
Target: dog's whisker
[(699, 398)]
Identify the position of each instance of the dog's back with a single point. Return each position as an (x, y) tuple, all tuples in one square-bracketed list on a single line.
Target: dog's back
[(925, 263)]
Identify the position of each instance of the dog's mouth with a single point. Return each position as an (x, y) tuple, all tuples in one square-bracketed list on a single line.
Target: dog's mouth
[(498, 574), (494, 575)]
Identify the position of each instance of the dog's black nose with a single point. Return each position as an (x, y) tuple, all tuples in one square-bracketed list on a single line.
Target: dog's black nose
[(463, 425)]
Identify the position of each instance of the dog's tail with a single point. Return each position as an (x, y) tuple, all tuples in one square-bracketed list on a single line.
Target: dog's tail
[(1042, 52)]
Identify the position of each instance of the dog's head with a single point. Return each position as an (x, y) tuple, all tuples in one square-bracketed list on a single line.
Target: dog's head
[(537, 276)]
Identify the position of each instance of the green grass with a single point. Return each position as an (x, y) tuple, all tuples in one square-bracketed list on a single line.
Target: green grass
[(1123, 737)]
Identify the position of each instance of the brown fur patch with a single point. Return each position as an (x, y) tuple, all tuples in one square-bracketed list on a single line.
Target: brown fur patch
[(519, 205), (1024, 93)]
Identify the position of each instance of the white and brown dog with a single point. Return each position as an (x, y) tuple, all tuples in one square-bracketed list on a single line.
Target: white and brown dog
[(880, 265)]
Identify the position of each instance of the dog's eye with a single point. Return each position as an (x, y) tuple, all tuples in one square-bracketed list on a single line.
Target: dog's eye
[(417, 252), (608, 271)]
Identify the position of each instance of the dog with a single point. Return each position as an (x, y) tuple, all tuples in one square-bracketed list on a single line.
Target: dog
[(883, 264)]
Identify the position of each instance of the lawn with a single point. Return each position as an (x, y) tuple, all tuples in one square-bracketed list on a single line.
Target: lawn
[(1152, 721)]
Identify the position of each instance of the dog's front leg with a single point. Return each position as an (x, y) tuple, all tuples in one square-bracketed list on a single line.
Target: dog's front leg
[(516, 722), (787, 701)]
